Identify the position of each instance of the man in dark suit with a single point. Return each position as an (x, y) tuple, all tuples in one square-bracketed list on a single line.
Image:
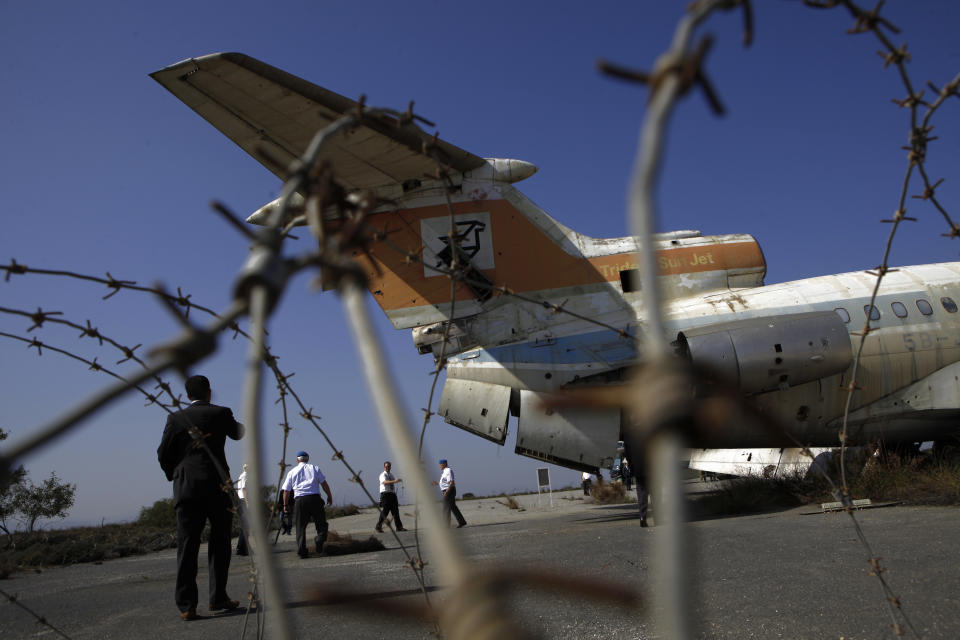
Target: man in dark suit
[(191, 454)]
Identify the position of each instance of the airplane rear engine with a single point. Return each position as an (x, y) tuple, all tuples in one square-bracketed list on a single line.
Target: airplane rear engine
[(772, 352)]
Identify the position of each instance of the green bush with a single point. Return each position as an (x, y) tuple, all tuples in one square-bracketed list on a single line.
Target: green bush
[(160, 515)]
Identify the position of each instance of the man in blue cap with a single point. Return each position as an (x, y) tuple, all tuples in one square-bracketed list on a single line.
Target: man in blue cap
[(449, 491), (302, 488)]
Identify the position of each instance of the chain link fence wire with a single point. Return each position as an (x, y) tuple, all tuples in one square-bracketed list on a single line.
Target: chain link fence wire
[(663, 418)]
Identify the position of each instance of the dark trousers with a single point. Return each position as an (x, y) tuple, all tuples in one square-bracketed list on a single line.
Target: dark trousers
[(389, 506), (285, 525), (242, 539), (642, 495), (450, 506), (305, 509), (192, 514), (586, 487)]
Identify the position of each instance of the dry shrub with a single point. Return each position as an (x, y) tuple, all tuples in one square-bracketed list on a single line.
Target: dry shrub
[(753, 495), (609, 493), (341, 544), (922, 480), (341, 510), (510, 502), (85, 544)]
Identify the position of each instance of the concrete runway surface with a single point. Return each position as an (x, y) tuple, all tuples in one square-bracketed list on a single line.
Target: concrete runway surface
[(785, 574)]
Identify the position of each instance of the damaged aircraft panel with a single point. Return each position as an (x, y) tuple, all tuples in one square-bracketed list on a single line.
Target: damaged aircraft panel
[(478, 407), (578, 438)]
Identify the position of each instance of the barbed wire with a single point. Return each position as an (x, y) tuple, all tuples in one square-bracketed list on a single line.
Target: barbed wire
[(13, 599), (265, 275), (199, 439), (283, 386), (919, 138)]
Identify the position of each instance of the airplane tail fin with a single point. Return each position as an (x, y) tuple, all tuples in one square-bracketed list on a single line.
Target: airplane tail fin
[(508, 241)]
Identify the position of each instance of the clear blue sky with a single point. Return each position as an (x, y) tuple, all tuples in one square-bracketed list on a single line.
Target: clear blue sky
[(103, 170)]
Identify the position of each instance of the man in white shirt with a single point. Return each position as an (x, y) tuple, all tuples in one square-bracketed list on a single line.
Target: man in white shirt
[(241, 486), (302, 488), (587, 479), (388, 498), (448, 489)]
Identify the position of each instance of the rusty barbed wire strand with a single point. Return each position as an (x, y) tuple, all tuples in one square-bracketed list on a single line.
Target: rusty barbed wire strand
[(489, 621), (263, 280), (871, 21), (39, 317), (692, 74), (675, 72), (326, 192), (379, 382), (195, 345), (308, 415), (440, 360), (283, 384), (842, 495), (14, 268), (195, 434), (93, 365), (280, 379), (14, 600), (262, 294)]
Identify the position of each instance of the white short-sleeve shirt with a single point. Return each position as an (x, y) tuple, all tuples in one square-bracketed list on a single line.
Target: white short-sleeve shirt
[(387, 488), (304, 480), (446, 479), (241, 486)]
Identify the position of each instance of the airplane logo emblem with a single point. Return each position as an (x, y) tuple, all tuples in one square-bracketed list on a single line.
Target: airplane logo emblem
[(472, 237)]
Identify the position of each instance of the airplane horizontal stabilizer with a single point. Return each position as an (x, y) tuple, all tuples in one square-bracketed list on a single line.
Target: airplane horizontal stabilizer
[(264, 109)]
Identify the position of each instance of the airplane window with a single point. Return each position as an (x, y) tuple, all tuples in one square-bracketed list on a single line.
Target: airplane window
[(924, 307), (872, 311), (843, 314), (949, 304), (899, 310)]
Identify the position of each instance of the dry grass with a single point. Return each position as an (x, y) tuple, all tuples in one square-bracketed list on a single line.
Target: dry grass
[(340, 510), (753, 495), (340, 544), (83, 544), (153, 533), (609, 493), (921, 480)]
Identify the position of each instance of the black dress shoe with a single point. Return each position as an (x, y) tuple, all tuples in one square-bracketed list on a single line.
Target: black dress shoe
[(378, 529), (643, 522), (460, 526), (400, 529)]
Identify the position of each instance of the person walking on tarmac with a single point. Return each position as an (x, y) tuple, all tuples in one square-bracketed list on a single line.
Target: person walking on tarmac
[(448, 489), (302, 488), (388, 498), (198, 493)]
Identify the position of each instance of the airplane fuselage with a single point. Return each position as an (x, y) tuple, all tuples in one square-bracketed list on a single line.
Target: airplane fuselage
[(536, 307)]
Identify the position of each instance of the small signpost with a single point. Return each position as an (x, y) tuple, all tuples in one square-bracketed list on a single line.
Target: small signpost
[(543, 484)]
